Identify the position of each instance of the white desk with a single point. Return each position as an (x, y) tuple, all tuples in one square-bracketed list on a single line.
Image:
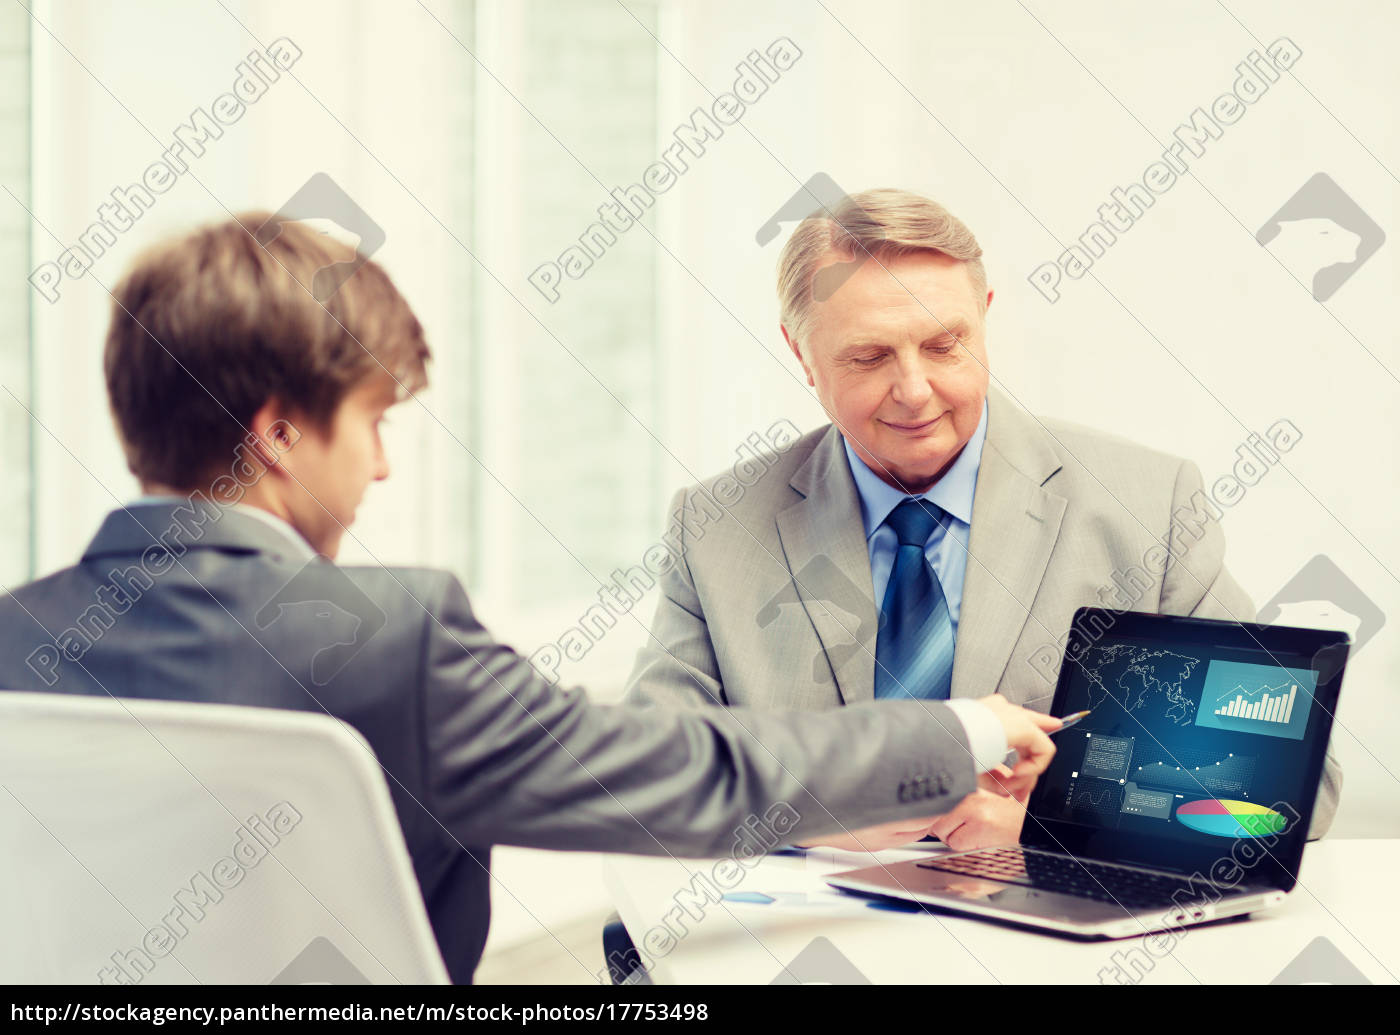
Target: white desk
[(1346, 896)]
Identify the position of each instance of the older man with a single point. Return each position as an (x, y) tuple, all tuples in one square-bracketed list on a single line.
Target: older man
[(933, 540)]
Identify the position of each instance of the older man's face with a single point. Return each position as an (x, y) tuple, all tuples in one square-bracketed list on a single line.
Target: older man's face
[(898, 358)]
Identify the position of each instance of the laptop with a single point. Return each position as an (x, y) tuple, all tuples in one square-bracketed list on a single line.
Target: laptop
[(1184, 796)]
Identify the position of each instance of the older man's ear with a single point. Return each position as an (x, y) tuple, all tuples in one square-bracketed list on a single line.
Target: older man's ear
[(797, 351)]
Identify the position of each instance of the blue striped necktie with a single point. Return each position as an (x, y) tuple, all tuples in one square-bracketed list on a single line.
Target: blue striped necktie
[(914, 649)]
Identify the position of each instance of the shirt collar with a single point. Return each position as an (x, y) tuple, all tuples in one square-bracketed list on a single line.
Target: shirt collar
[(953, 492), (302, 548)]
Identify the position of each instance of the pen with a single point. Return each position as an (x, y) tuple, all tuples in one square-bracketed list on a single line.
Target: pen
[(1068, 721)]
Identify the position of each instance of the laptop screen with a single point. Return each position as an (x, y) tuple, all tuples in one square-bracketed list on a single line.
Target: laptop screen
[(1205, 742)]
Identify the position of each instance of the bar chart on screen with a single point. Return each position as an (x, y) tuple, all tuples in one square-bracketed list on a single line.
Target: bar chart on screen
[(1259, 704), (1263, 699)]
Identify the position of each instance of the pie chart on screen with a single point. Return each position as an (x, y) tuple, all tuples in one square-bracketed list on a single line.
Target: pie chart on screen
[(1225, 817)]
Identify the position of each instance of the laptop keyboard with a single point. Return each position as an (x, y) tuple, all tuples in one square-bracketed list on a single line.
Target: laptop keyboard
[(1084, 878)]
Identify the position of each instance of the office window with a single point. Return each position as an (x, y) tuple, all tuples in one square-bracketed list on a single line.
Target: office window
[(562, 397), (16, 488)]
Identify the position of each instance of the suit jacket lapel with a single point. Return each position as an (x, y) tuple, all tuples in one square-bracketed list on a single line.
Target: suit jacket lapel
[(1015, 522), (824, 544)]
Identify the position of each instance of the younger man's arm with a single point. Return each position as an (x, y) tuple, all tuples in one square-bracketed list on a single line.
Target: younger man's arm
[(512, 759)]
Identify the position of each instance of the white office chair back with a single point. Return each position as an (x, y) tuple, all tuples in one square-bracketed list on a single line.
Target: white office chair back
[(165, 842)]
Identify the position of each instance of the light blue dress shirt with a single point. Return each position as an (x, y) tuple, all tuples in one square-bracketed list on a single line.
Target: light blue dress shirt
[(946, 551), (946, 548)]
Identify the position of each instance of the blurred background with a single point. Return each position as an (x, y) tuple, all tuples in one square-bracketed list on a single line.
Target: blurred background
[(483, 135)]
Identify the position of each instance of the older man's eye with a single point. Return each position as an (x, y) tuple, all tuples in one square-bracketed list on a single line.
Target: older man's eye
[(868, 361)]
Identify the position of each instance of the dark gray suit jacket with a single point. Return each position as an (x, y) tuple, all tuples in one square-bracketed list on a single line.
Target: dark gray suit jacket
[(196, 603)]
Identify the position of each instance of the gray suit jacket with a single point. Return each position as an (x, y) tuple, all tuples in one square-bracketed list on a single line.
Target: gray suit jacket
[(478, 749), (773, 605)]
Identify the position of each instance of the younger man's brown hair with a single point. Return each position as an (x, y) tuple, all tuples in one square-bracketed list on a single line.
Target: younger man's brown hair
[(209, 327)]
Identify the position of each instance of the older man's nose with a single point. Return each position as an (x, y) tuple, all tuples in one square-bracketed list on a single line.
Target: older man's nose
[(912, 389)]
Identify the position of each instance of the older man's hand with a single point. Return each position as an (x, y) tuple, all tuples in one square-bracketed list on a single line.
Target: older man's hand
[(989, 817), (878, 838)]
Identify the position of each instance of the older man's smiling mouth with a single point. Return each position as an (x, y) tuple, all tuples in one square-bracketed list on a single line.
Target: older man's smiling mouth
[(913, 429)]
